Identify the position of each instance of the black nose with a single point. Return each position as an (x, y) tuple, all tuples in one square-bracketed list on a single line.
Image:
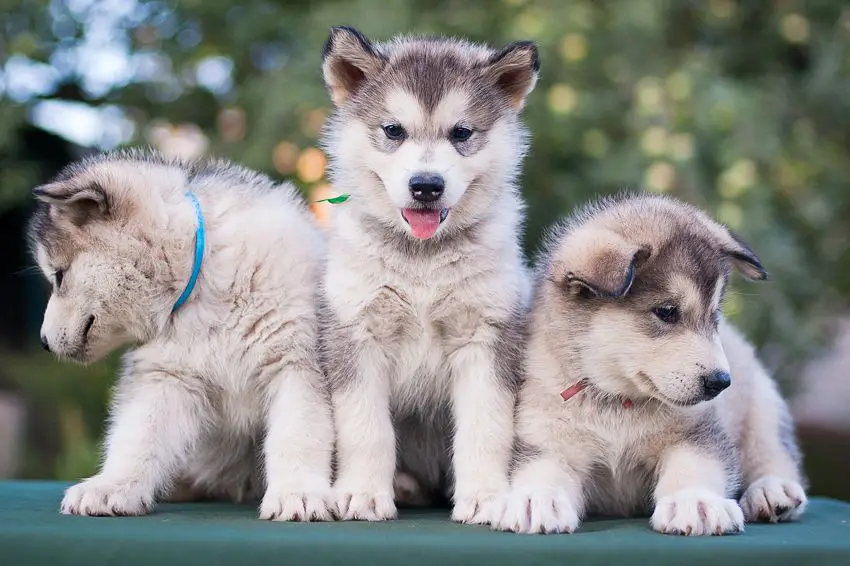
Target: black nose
[(715, 382), (44, 344), (426, 187)]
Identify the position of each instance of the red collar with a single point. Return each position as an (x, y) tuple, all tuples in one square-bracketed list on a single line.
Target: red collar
[(580, 386), (573, 390)]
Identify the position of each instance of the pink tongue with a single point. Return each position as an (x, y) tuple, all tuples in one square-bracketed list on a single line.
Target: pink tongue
[(423, 223)]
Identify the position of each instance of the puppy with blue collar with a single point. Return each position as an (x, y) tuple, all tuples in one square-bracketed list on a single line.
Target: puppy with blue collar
[(210, 272)]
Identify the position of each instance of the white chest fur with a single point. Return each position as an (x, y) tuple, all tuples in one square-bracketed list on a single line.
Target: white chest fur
[(420, 310)]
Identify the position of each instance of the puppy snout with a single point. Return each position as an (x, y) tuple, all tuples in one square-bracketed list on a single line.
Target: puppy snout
[(44, 344), (715, 382), (426, 187)]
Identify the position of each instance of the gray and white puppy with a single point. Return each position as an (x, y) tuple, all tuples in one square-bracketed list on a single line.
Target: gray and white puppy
[(233, 368), (425, 281), (639, 396)]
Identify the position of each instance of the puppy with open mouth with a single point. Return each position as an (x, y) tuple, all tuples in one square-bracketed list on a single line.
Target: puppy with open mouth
[(639, 397), (424, 222), (426, 282)]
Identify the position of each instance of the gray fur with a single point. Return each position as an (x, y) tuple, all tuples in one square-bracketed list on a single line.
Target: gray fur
[(788, 438), (524, 451), (410, 319), (625, 321), (223, 398)]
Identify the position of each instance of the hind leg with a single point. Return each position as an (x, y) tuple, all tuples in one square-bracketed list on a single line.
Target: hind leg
[(774, 484), (770, 458), (774, 499), (408, 492), (422, 461)]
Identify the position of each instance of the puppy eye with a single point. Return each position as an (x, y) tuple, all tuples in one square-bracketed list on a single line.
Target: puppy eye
[(460, 134), (394, 132), (58, 277), (667, 313)]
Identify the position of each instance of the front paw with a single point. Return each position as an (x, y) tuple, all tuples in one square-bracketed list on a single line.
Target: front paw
[(532, 511), (297, 505), (354, 506), (100, 496), (478, 508), (697, 512), (773, 499)]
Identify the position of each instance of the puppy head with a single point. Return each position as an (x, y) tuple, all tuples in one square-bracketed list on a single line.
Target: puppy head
[(93, 235), (426, 131), (641, 281)]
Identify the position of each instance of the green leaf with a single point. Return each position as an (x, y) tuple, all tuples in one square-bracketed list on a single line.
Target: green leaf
[(335, 200)]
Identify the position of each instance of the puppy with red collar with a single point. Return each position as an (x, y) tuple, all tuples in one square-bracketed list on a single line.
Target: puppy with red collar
[(639, 398)]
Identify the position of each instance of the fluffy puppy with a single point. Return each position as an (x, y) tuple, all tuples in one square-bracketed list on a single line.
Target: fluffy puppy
[(425, 280), (221, 395), (639, 397)]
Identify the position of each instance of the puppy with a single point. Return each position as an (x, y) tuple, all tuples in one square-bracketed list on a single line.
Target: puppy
[(211, 272), (426, 283), (640, 397)]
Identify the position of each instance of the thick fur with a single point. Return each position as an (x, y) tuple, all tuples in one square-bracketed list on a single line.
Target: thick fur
[(224, 398), (422, 336), (644, 436)]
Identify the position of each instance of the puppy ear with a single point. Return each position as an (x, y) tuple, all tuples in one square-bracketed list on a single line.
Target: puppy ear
[(79, 204), (744, 258), (347, 60), (514, 71), (600, 263)]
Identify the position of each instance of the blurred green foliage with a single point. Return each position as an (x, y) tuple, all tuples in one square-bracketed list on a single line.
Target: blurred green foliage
[(738, 106), (66, 406)]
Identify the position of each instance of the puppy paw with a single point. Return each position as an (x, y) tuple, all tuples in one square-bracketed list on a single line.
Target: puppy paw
[(99, 496), (534, 511), (282, 505), (408, 491), (365, 506), (773, 499), (697, 512), (478, 508)]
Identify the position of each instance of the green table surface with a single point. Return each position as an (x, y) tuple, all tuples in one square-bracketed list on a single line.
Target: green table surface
[(33, 532)]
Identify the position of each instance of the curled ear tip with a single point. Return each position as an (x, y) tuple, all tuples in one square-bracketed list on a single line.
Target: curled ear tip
[(339, 31), (535, 58), (531, 48), (334, 33), (43, 191), (329, 42)]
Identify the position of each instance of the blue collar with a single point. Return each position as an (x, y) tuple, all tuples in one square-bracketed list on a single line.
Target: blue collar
[(199, 253)]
